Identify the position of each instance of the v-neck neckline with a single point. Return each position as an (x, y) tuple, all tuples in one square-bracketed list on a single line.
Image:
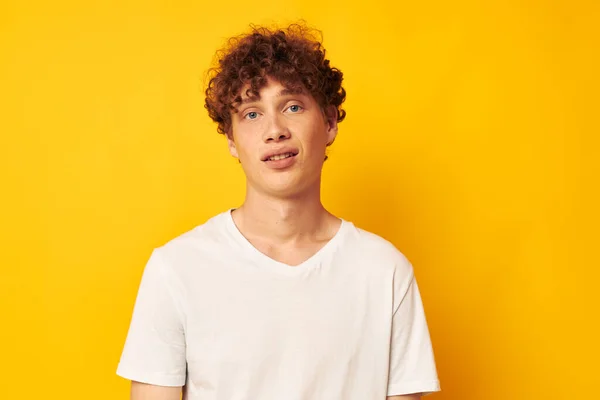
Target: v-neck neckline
[(314, 261)]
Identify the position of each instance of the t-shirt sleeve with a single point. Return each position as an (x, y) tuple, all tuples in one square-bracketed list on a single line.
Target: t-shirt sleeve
[(412, 364), (154, 350)]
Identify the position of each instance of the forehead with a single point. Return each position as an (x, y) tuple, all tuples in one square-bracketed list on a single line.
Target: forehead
[(272, 88)]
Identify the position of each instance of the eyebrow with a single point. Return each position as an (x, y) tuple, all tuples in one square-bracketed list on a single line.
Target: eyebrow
[(284, 92)]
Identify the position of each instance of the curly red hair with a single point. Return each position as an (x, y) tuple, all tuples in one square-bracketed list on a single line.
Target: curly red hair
[(294, 56)]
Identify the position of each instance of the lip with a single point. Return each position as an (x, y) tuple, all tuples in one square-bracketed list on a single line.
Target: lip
[(276, 152), (282, 164)]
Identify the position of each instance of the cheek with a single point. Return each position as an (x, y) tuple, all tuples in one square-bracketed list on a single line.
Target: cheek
[(316, 134), (317, 142), (240, 139), (247, 136), (246, 149)]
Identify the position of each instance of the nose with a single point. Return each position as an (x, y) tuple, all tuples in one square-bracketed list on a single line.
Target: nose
[(276, 130)]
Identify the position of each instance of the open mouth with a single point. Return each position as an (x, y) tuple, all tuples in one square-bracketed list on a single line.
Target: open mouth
[(280, 156)]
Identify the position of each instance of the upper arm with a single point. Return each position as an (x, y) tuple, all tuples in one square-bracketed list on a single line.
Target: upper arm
[(412, 364), (144, 391), (405, 397), (155, 347)]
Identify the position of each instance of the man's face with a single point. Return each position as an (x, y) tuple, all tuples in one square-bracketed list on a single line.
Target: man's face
[(280, 139)]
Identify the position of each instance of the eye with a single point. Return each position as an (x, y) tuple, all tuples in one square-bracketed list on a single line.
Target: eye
[(251, 115), (294, 108)]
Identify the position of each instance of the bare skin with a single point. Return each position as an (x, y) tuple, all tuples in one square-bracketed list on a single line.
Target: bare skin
[(143, 391), (282, 215)]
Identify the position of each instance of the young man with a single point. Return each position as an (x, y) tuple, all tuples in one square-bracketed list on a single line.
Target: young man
[(278, 299)]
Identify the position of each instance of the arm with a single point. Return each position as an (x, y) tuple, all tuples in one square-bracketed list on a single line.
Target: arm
[(412, 372), (144, 391), (154, 355)]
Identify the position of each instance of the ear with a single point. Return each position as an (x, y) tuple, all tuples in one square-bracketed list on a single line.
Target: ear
[(231, 145), (331, 115)]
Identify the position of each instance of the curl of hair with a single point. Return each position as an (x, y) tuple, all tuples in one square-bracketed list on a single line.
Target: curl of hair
[(294, 56)]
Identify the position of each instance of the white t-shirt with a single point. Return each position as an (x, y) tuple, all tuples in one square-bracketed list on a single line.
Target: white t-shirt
[(230, 323)]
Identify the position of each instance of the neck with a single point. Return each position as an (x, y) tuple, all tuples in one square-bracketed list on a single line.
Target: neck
[(284, 220)]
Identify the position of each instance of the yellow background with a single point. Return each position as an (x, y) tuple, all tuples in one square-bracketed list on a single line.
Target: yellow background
[(471, 142)]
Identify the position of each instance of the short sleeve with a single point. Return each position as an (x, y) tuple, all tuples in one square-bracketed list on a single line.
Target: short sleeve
[(154, 350), (412, 364)]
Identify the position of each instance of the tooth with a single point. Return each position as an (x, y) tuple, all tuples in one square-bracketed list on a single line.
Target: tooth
[(280, 156)]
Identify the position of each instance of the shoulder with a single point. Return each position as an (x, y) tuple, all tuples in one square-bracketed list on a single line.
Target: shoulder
[(193, 247), (378, 251)]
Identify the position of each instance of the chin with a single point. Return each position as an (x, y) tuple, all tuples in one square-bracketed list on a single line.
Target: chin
[(283, 185), (284, 191)]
